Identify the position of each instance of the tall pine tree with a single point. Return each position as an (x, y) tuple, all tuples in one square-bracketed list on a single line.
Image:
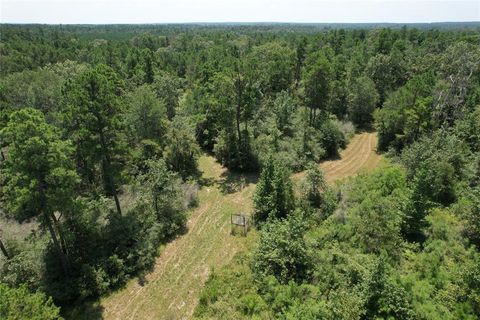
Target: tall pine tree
[(94, 120), (39, 177)]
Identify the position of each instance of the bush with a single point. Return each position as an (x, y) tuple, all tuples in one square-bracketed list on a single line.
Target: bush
[(23, 268), (362, 100), (282, 251), (273, 198), (19, 303), (313, 186), (332, 139), (181, 151), (346, 128)]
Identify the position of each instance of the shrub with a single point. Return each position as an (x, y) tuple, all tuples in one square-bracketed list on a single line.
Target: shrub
[(19, 303), (274, 194), (332, 139), (282, 251)]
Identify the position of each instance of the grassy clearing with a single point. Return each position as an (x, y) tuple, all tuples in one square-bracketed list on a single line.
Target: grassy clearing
[(172, 290), (360, 155)]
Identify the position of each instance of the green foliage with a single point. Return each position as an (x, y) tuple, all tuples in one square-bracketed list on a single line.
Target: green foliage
[(435, 182), (274, 195), (230, 293), (168, 89), (431, 275), (317, 77), (281, 252), (181, 151), (38, 173), (232, 146), (435, 166), (273, 63), (378, 223), (468, 208), (93, 119), (39, 178), (331, 138), (282, 129), (148, 65), (24, 267), (387, 72), (468, 130), (316, 193), (20, 304), (100, 258), (40, 89), (355, 264), (284, 111), (146, 150), (407, 113), (314, 186), (146, 115), (338, 98), (137, 102), (362, 100), (162, 194), (377, 209)]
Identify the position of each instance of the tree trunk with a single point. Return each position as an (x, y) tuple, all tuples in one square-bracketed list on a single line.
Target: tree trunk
[(63, 258), (239, 106), (310, 118), (2, 154), (4, 250), (48, 221), (60, 234), (108, 179), (117, 203)]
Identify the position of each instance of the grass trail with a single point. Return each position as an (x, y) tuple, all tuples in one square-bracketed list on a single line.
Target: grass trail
[(360, 154), (172, 290)]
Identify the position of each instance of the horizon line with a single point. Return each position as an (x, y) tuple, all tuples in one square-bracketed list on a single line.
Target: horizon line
[(239, 22)]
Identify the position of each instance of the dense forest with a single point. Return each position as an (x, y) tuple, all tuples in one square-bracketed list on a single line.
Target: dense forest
[(101, 129)]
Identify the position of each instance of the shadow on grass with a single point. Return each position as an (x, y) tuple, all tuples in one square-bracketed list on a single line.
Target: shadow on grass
[(231, 182), (206, 182), (367, 128), (88, 310)]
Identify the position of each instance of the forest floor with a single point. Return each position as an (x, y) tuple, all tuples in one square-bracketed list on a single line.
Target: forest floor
[(171, 290)]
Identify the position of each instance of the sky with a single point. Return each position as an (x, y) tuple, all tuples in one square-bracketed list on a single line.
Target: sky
[(171, 11)]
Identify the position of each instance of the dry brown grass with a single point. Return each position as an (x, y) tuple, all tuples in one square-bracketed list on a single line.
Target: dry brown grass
[(172, 290)]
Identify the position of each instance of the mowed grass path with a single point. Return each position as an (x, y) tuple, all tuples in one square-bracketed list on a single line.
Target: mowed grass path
[(172, 290), (360, 155)]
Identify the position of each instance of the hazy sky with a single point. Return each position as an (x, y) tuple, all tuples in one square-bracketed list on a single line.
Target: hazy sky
[(161, 11)]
